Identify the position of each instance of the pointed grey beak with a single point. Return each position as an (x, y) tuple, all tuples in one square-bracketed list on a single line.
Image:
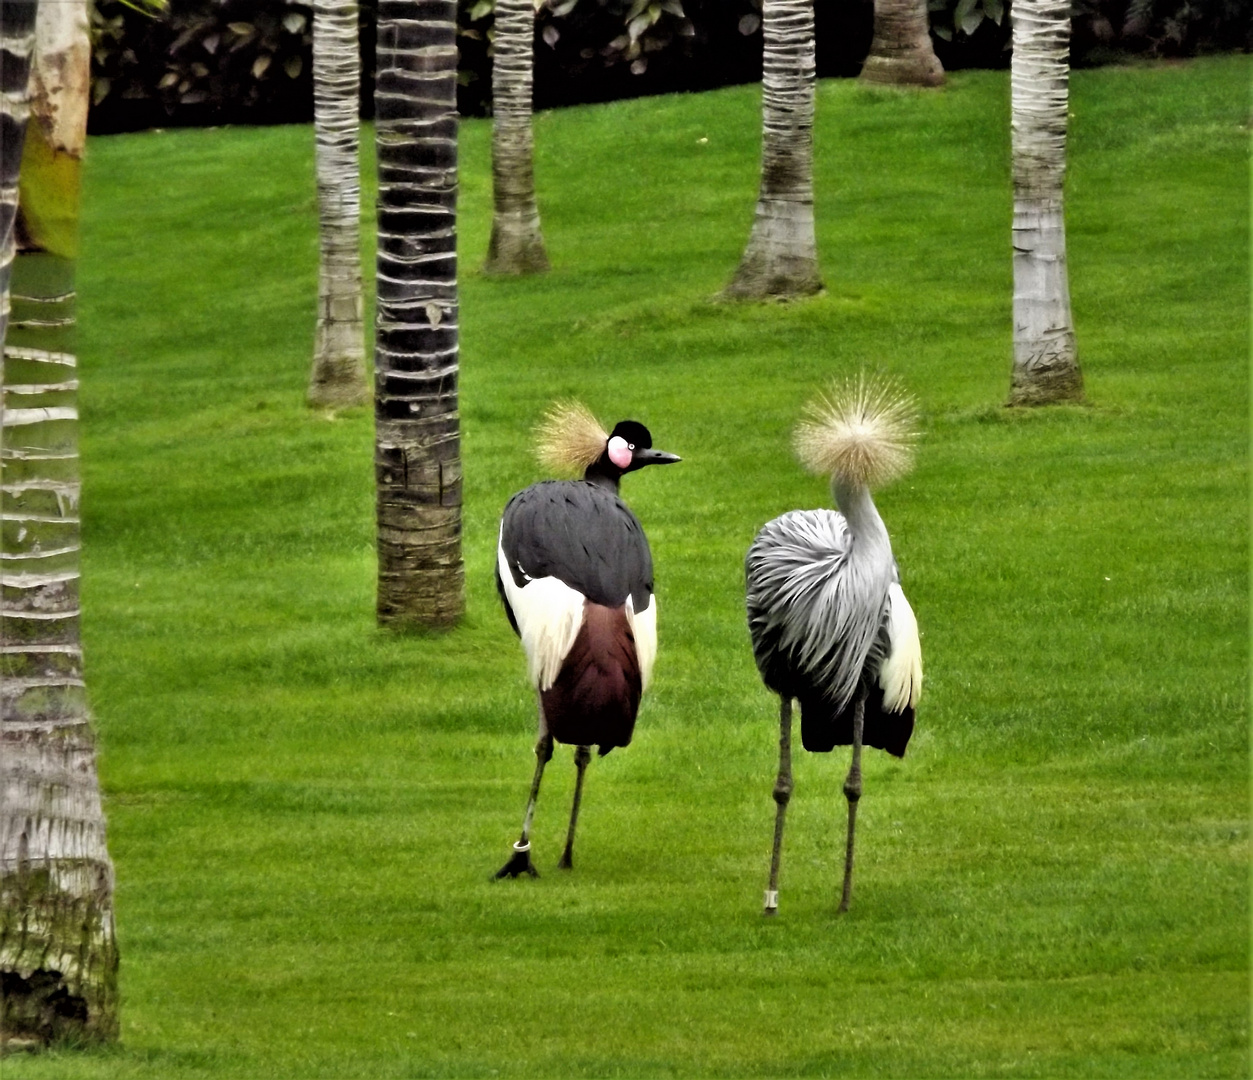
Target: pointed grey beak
[(653, 457)]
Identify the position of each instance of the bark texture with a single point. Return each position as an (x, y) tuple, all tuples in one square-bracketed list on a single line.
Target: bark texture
[(338, 376), (58, 951), (417, 454), (901, 53), (781, 259), (17, 42), (1046, 360), (517, 245)]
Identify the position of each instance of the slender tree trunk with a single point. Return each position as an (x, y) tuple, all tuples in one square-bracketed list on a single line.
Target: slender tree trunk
[(517, 245), (901, 53), (17, 43), (58, 950), (417, 454), (781, 259), (1046, 360), (338, 376)]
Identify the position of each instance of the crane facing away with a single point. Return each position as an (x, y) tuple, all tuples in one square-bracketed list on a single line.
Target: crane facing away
[(575, 574), (829, 622)]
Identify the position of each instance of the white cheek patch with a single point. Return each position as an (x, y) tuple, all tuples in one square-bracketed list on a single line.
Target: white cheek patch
[(619, 452)]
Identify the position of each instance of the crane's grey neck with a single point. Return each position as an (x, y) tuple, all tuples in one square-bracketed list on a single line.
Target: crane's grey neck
[(593, 475), (863, 519)]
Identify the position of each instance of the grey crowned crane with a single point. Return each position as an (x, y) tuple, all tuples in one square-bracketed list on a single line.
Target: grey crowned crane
[(575, 574), (829, 622)]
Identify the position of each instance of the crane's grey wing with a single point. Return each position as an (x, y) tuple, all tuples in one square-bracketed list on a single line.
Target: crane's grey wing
[(582, 535), (814, 617)]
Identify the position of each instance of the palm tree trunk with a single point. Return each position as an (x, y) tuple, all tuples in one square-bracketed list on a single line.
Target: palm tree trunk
[(1046, 362), (517, 245), (417, 453), (58, 949), (781, 259), (17, 42), (901, 53), (338, 376)]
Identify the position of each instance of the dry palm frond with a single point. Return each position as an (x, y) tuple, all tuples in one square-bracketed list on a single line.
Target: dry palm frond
[(860, 432), (570, 438)]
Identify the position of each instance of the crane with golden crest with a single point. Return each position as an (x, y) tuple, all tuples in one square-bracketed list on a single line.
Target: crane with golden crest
[(830, 625), (575, 574)]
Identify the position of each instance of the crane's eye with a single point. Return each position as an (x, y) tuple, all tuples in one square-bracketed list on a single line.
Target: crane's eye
[(631, 446)]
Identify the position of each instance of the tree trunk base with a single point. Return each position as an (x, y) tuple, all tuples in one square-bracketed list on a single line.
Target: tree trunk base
[(914, 68), (516, 247), (787, 278), (41, 1011), (433, 598), (1052, 385), (337, 384), (58, 947), (337, 378)]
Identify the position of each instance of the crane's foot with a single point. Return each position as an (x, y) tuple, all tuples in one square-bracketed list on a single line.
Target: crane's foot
[(519, 863), (567, 860), (772, 903)]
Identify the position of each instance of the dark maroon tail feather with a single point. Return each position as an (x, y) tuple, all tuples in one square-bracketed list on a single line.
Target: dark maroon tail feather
[(597, 692)]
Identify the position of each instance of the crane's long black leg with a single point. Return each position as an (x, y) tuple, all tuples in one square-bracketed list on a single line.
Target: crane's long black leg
[(582, 755), (782, 795), (520, 862), (852, 792)]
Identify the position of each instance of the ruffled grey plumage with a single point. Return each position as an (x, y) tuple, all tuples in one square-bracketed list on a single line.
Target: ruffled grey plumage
[(830, 625), (818, 581), (815, 611)]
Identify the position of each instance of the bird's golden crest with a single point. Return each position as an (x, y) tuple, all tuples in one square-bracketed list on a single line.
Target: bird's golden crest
[(569, 438), (860, 432)]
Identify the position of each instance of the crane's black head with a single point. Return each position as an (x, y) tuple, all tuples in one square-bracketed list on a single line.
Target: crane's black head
[(630, 447)]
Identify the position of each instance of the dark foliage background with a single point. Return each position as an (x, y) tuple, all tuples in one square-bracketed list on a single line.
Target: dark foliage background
[(200, 62), (249, 61)]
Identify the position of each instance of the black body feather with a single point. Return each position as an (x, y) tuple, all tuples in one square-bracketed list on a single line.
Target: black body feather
[(824, 726), (582, 534)]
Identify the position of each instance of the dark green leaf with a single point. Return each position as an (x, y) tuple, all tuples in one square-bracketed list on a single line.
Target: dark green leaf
[(962, 11)]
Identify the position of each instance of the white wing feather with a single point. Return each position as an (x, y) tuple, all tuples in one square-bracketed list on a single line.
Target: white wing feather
[(819, 606), (900, 674), (549, 614), (644, 628)]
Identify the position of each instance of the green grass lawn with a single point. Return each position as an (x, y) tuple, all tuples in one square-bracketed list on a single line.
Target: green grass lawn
[(304, 811)]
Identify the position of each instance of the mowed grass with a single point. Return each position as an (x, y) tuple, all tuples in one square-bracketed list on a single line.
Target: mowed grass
[(304, 810)]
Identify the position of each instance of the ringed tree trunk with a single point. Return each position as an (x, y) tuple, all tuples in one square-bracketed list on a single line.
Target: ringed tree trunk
[(17, 43), (781, 259), (338, 376), (901, 53), (1046, 361), (58, 948), (517, 245), (417, 456)]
